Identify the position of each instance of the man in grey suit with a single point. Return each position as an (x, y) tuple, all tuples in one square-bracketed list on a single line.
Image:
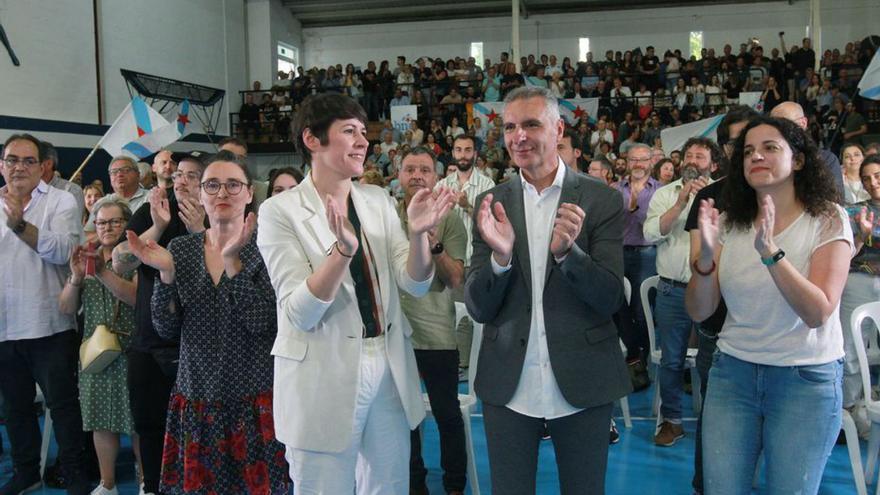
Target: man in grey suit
[(546, 277)]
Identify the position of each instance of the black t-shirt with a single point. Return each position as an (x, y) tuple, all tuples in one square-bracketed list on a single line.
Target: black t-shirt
[(714, 323), (145, 337), (650, 64)]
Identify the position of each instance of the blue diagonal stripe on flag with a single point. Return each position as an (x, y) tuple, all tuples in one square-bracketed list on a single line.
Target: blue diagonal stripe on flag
[(137, 149), (869, 85), (141, 115)]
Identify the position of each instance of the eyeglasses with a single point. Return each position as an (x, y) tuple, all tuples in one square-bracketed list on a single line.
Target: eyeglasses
[(189, 176), (115, 222), (13, 161), (638, 160), (212, 187), (121, 170)]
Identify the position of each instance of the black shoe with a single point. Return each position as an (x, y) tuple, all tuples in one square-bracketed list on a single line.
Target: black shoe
[(21, 484), (615, 435), (418, 489), (54, 478)]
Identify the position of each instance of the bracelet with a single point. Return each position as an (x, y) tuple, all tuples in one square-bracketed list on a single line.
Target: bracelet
[(340, 251), (774, 258), (70, 281), (696, 266)]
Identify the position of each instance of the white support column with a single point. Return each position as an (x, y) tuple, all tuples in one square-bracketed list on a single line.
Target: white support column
[(514, 32), (816, 29)]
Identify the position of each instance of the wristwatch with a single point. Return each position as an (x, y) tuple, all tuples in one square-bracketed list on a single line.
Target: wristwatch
[(19, 227), (437, 248)]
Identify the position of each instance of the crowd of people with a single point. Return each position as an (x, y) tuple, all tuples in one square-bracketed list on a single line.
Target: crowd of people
[(677, 88), (275, 334)]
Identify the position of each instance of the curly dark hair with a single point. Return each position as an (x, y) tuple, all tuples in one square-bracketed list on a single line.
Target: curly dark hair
[(814, 187)]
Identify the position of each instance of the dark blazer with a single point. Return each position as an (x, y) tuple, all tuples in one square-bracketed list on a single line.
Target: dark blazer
[(580, 296)]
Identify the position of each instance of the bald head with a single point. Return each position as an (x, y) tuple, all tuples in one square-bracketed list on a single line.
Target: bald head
[(792, 111)]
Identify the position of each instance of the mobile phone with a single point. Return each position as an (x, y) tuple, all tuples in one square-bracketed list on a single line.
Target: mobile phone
[(90, 261)]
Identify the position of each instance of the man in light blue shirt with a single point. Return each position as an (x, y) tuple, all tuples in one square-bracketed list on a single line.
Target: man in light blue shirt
[(39, 226)]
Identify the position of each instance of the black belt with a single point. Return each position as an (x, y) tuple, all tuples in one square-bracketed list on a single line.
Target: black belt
[(637, 248), (674, 283)]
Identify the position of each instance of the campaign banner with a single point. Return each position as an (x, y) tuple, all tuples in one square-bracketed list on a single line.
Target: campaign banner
[(403, 115)]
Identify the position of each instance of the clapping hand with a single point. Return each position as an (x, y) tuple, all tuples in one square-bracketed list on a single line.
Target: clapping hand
[(192, 214), (346, 241), (237, 243), (426, 209), (496, 230), (708, 223), (160, 211), (566, 228), (13, 208), (865, 220), (152, 254), (766, 223)]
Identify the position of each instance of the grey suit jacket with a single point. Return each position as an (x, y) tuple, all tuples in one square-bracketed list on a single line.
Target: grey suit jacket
[(580, 296)]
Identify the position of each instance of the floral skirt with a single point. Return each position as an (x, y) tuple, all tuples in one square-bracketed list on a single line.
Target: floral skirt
[(218, 448)]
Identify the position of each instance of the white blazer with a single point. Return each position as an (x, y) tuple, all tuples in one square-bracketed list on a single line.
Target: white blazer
[(318, 348)]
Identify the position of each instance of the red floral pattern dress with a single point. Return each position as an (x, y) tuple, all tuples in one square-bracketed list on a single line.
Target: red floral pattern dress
[(220, 437)]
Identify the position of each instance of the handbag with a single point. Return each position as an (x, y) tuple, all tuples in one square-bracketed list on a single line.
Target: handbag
[(103, 346)]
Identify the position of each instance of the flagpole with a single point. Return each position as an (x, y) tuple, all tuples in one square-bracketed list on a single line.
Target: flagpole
[(89, 157)]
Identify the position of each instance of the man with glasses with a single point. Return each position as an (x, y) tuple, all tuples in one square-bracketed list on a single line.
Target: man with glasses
[(39, 226), (125, 180), (639, 258), (152, 361)]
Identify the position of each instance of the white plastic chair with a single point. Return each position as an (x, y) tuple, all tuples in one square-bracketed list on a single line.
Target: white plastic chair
[(624, 401), (867, 311), (47, 431), (690, 361), (468, 402)]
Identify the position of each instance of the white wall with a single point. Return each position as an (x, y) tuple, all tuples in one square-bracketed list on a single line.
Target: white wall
[(269, 22), (54, 41), (843, 21), (197, 41)]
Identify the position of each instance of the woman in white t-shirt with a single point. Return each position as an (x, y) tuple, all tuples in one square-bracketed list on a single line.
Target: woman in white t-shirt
[(779, 255)]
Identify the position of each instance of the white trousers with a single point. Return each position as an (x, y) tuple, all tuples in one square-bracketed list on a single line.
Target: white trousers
[(377, 460)]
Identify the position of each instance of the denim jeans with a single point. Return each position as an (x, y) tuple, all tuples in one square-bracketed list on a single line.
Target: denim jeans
[(638, 264), (673, 330), (705, 351), (792, 413)]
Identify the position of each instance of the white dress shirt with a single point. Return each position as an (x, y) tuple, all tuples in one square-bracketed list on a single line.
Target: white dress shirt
[(538, 394), (476, 184), (674, 248), (31, 281)]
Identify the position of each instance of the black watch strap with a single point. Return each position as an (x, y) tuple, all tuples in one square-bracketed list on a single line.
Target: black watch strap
[(437, 248), (20, 227)]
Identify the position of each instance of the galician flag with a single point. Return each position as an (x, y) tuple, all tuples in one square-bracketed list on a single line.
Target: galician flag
[(139, 131), (869, 86), (485, 111), (673, 138), (573, 109)]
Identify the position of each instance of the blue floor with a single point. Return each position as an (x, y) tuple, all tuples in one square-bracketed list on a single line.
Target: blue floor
[(635, 465)]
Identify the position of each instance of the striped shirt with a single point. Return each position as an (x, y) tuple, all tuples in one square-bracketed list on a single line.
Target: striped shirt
[(477, 184)]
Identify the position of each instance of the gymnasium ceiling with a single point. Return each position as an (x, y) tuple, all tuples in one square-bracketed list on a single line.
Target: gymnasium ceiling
[(323, 13)]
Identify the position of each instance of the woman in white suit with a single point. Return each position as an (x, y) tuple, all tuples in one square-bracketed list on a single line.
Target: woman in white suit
[(346, 383)]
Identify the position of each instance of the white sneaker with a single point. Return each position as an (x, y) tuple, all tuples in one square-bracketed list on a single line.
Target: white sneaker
[(100, 490)]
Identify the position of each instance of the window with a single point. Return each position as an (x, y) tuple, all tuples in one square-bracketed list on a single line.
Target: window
[(477, 53), (583, 48), (288, 58), (696, 43)]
